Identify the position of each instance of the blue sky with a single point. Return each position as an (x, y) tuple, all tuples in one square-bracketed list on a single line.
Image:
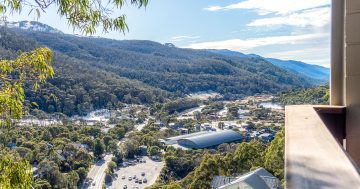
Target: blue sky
[(285, 29)]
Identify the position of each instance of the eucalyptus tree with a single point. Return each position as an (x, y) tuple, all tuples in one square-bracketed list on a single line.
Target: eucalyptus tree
[(83, 15)]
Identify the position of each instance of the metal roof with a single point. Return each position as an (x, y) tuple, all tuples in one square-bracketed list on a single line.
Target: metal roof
[(258, 179), (210, 139), (174, 140)]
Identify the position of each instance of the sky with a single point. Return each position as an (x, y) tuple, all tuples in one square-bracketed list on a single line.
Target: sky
[(284, 29)]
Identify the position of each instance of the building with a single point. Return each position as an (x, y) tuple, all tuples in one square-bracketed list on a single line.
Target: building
[(322, 142), (267, 137), (184, 131), (258, 179), (143, 150), (210, 139), (221, 181), (174, 140)]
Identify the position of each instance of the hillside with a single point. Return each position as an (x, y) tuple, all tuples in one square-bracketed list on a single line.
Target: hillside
[(78, 87), (313, 71), (314, 95), (94, 73), (314, 74)]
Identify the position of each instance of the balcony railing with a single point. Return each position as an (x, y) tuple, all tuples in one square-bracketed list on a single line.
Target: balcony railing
[(314, 153)]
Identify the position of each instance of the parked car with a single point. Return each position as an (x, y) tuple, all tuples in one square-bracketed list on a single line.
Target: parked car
[(125, 186), (140, 181), (134, 177), (145, 180), (130, 178), (123, 177), (142, 173)]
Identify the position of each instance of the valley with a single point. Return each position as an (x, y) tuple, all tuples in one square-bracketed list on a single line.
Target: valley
[(250, 117), (117, 108)]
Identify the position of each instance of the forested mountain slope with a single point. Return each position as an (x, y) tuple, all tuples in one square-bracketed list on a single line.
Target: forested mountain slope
[(90, 73), (314, 74), (77, 86)]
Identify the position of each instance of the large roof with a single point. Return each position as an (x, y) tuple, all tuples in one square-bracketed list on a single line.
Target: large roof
[(174, 140), (210, 139), (258, 179)]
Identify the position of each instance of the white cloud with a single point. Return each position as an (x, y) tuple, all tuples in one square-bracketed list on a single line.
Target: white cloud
[(281, 7), (183, 37), (240, 44), (317, 17)]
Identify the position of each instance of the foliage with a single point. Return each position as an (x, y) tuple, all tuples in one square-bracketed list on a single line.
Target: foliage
[(154, 151), (15, 174), (63, 152), (33, 66), (83, 15), (212, 107), (274, 155), (99, 148), (198, 173), (315, 95), (101, 73), (78, 87), (233, 111)]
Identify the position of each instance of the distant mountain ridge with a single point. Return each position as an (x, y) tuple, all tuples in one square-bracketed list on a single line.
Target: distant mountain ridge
[(96, 73), (310, 70), (319, 75), (32, 26)]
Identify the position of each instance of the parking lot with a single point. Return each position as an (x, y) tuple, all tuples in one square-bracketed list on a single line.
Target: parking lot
[(150, 168)]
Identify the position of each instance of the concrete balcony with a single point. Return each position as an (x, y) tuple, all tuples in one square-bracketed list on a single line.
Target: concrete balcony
[(314, 152)]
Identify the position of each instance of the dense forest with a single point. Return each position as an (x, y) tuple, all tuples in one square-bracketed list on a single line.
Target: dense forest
[(77, 86), (314, 95), (93, 73)]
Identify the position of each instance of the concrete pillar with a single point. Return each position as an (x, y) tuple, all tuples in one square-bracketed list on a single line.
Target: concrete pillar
[(352, 77), (337, 53)]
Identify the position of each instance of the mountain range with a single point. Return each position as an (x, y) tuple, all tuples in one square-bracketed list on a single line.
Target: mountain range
[(94, 73), (315, 74)]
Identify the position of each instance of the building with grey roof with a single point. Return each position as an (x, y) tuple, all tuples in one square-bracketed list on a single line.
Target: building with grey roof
[(258, 179), (219, 181), (210, 139), (174, 140)]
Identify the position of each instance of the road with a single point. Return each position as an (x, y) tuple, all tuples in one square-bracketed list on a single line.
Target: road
[(151, 169), (139, 127), (97, 173)]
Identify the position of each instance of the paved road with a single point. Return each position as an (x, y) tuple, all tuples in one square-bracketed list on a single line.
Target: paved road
[(150, 168), (97, 173)]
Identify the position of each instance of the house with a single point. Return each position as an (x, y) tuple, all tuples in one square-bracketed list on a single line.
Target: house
[(258, 179), (175, 126), (143, 150), (267, 137), (11, 145), (184, 131), (221, 181), (197, 127)]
